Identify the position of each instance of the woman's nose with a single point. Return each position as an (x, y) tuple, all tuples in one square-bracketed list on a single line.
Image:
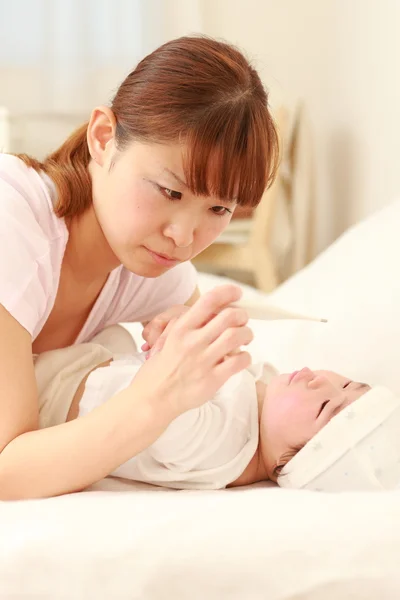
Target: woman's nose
[(181, 232)]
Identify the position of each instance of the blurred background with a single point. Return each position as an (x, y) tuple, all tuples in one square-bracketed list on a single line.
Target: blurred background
[(331, 66)]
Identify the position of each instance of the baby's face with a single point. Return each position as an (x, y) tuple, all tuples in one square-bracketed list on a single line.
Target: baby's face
[(296, 407)]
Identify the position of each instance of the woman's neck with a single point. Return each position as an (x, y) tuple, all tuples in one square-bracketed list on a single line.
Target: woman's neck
[(88, 255)]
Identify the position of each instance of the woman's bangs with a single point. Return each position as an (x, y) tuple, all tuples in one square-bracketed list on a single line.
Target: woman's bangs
[(232, 157)]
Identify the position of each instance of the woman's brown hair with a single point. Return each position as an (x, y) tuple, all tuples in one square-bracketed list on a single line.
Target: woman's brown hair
[(193, 90)]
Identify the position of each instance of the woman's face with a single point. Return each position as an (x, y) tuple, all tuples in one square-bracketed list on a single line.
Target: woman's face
[(149, 217)]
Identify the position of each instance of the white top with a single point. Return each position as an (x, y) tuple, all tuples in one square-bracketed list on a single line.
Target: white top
[(204, 448), (33, 241)]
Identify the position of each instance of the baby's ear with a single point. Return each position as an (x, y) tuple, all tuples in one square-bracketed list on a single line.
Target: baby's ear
[(284, 459), (276, 472)]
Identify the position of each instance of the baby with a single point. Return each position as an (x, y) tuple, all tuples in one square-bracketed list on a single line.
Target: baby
[(249, 431)]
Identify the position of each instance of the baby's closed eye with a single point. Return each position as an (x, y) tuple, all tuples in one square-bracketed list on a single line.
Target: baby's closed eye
[(322, 407)]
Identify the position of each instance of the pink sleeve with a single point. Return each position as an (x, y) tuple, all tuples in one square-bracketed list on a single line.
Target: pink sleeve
[(25, 264), (140, 299)]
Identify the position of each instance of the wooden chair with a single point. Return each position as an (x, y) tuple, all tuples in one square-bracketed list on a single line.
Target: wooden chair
[(244, 246)]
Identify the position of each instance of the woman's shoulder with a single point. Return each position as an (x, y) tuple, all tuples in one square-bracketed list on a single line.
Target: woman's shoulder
[(28, 196), (16, 173), (33, 243)]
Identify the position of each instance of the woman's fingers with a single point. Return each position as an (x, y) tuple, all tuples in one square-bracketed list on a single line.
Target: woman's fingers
[(203, 311), (226, 319), (212, 329), (154, 329), (228, 343), (230, 366), (209, 305), (199, 350), (162, 339)]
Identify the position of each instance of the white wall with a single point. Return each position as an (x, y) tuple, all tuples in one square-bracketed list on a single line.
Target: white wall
[(342, 57), (67, 56)]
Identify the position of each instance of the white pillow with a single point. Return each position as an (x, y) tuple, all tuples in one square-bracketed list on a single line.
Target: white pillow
[(355, 285)]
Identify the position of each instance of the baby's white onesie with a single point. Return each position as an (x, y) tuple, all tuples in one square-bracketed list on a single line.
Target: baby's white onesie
[(204, 448)]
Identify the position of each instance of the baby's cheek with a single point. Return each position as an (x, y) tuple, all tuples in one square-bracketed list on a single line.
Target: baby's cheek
[(287, 401), (278, 408), (291, 410)]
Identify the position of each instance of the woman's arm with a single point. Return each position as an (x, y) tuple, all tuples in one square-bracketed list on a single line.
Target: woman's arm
[(68, 457), (71, 456)]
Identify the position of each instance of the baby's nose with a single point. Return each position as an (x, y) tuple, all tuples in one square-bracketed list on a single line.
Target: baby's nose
[(318, 381), (306, 373)]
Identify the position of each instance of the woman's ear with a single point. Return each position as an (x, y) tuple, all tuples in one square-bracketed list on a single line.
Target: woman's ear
[(101, 134)]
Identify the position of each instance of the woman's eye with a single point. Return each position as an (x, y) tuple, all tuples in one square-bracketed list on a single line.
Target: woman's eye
[(171, 194), (346, 384), (221, 210)]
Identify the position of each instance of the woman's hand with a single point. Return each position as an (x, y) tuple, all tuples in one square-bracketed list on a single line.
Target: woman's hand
[(155, 328), (200, 353)]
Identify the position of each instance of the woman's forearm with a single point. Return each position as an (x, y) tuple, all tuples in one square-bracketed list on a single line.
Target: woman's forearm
[(69, 457)]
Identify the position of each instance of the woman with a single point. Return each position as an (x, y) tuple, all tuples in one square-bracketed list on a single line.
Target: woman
[(102, 232)]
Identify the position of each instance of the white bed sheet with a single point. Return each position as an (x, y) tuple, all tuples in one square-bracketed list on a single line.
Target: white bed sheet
[(240, 544), (258, 542)]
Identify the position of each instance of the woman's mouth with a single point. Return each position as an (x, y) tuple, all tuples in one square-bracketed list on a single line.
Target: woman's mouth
[(292, 376), (162, 259)]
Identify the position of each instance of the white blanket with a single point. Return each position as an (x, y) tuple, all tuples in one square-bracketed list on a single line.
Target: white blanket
[(261, 542)]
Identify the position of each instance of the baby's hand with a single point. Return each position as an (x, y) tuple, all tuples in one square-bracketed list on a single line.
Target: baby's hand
[(156, 327), (201, 351), (162, 339)]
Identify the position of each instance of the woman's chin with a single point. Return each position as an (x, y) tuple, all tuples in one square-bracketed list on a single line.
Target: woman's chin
[(141, 262), (144, 268)]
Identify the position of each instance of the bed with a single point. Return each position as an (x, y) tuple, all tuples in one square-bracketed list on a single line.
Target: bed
[(125, 540)]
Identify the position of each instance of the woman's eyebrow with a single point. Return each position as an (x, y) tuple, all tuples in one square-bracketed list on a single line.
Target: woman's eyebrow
[(184, 184), (175, 176)]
